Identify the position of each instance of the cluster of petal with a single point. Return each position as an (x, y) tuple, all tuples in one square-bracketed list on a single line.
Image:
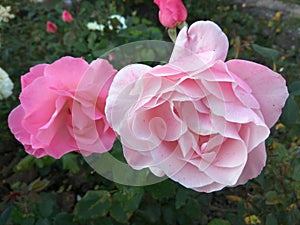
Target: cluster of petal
[(36, 1), (5, 14), (199, 120), (121, 20), (66, 16), (62, 108), (51, 27), (95, 26), (6, 85), (171, 12), (100, 27)]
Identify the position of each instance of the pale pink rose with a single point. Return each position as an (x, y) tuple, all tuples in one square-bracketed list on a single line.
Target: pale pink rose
[(66, 16), (62, 108), (171, 12), (51, 27), (201, 123)]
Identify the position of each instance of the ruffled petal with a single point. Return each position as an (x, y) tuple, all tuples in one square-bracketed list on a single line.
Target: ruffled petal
[(204, 39), (255, 163), (66, 72), (35, 72), (268, 87)]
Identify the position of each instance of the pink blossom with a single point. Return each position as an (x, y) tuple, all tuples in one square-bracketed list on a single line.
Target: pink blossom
[(171, 12), (66, 16), (199, 120), (62, 108), (51, 27)]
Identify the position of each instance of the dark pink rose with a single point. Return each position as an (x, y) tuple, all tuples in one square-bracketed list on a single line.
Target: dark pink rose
[(51, 27), (62, 108), (171, 12), (66, 16), (203, 122)]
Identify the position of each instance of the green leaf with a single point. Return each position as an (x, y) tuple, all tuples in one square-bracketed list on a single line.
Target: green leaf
[(46, 206), (192, 209), (70, 162), (118, 213), (219, 222), (294, 88), (151, 213), (44, 161), (91, 40), (28, 221), (25, 164), (172, 34), (125, 202), (43, 222), (181, 198), (69, 38), (169, 215), (6, 215), (296, 173), (93, 205), (38, 185), (271, 219), (273, 198), (290, 112), (81, 47), (63, 219), (102, 221), (17, 216), (265, 52), (294, 216), (184, 219), (164, 189)]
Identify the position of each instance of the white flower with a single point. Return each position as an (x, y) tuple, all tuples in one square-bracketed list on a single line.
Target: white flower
[(121, 20), (36, 1), (6, 85), (4, 14), (68, 2), (95, 26)]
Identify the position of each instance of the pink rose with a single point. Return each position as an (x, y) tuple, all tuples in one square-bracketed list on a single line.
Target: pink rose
[(51, 27), (66, 16), (171, 12), (62, 108), (203, 122)]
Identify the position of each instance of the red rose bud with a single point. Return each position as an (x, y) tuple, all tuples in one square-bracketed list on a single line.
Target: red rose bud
[(171, 12), (66, 16), (51, 27)]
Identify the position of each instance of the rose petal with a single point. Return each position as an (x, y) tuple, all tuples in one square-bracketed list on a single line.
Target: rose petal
[(15, 124), (35, 72), (33, 101), (268, 87), (204, 39), (253, 135), (70, 72), (190, 176), (255, 163), (116, 106), (225, 175), (232, 153), (232, 111), (210, 187)]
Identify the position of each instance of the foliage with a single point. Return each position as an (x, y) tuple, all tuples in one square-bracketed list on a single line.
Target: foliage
[(68, 191)]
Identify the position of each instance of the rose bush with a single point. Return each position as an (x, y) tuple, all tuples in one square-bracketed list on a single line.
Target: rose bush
[(171, 12), (199, 120), (62, 108)]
